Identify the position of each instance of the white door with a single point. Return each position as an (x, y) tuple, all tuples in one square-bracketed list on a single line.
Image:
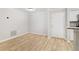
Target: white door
[(57, 24)]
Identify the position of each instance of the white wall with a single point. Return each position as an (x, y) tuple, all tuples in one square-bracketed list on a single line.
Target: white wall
[(39, 21), (57, 23), (23, 22), (34, 22), (18, 21)]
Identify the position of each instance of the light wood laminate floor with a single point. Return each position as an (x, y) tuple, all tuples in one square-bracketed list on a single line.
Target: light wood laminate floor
[(34, 42)]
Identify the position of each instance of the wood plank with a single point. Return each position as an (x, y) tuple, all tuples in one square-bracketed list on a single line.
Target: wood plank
[(34, 42)]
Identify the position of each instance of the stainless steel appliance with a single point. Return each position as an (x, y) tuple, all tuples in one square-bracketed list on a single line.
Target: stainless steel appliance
[(75, 23)]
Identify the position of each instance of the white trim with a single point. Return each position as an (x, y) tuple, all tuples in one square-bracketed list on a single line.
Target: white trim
[(12, 37), (39, 33), (18, 36)]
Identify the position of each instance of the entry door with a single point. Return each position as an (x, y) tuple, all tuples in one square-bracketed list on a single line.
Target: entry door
[(57, 24)]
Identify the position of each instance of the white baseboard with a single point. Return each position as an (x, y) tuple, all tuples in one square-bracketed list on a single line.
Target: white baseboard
[(12, 37), (17, 36), (39, 33), (24, 34)]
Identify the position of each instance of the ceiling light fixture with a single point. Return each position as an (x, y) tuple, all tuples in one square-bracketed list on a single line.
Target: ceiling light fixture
[(30, 9)]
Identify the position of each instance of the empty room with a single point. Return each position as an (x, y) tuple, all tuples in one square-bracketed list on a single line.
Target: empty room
[(39, 29)]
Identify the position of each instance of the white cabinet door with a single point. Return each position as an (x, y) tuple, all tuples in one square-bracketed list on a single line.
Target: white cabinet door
[(57, 24)]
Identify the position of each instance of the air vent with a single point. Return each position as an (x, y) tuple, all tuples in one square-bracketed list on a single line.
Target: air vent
[(13, 33)]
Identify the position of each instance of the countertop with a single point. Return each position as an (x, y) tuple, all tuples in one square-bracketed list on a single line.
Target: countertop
[(74, 28)]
